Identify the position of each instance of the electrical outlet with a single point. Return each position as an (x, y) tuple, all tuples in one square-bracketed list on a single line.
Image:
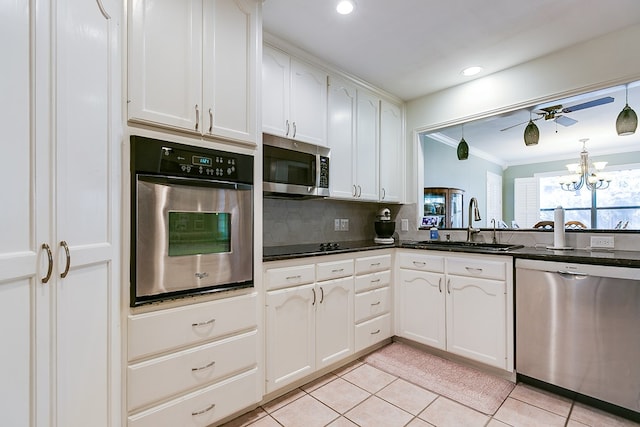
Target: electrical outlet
[(336, 224), (404, 225), (602, 241), (344, 224)]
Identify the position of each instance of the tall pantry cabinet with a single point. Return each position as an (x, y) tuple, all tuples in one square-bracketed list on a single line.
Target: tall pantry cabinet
[(59, 221)]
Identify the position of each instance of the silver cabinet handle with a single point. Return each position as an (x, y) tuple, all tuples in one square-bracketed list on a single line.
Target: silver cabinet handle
[(197, 117), (207, 409), (208, 322), (375, 332), (210, 120), (286, 133), (68, 256), (375, 303), (375, 281), (294, 130), (355, 191), (293, 277), (321, 294), (440, 285), (207, 366), (384, 193), (338, 270), (449, 286), (474, 270), (359, 191), (46, 278), (374, 264), (314, 297), (419, 263)]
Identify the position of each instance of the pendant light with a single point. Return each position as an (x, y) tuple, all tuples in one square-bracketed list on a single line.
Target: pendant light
[(463, 148), (531, 133), (627, 120)]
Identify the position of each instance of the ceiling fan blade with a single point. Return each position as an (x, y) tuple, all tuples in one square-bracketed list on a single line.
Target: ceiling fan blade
[(589, 104), (519, 124), (565, 121)]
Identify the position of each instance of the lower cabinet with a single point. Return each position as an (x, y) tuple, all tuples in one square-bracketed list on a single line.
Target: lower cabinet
[(459, 303), (315, 320), (193, 365)]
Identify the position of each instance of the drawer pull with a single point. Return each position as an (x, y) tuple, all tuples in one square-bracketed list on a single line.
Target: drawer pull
[(375, 264), (338, 270), (474, 270), (375, 280), (293, 277), (419, 263), (207, 409), (208, 322), (375, 332), (375, 303), (207, 366)]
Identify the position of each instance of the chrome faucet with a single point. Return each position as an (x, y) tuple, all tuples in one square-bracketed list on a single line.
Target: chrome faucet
[(473, 208), (494, 240)]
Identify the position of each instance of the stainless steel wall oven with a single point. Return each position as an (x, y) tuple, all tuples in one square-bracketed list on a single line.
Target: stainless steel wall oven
[(191, 220)]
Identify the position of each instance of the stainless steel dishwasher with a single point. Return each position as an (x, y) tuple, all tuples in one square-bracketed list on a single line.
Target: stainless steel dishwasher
[(578, 327)]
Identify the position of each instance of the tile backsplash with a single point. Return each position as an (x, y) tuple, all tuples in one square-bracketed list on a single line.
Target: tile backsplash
[(290, 222)]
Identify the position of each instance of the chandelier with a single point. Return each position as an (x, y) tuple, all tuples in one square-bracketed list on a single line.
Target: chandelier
[(586, 173)]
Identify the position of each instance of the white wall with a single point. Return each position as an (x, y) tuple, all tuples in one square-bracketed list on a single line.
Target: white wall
[(596, 64)]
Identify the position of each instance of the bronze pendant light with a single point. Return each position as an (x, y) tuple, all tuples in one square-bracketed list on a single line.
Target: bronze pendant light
[(627, 120), (531, 133)]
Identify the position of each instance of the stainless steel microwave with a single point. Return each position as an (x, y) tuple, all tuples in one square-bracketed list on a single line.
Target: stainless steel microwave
[(294, 169)]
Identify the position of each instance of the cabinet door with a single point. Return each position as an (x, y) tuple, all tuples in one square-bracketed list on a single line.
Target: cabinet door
[(290, 335), (421, 307), (366, 148), (165, 63), (341, 137), (276, 70), (308, 104), (229, 69), (334, 321), (84, 329), (476, 319), (19, 244), (391, 152)]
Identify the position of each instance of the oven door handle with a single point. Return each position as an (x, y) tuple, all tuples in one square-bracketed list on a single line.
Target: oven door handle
[(199, 182)]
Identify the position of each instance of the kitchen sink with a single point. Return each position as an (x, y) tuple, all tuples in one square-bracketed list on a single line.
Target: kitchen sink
[(450, 244)]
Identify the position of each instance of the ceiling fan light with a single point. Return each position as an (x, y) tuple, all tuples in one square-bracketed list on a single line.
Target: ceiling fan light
[(627, 121), (345, 7), (463, 150), (531, 134)]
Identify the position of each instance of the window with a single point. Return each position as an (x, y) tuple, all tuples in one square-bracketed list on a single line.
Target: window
[(617, 207)]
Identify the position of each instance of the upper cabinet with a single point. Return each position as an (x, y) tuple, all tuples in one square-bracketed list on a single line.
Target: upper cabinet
[(192, 66), (294, 98), (365, 137)]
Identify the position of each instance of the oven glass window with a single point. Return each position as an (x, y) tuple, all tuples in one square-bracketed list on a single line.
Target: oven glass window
[(199, 233)]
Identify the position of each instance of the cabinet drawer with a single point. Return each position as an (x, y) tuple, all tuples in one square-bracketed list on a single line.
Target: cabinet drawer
[(373, 263), (486, 269), (372, 303), (372, 331), (373, 280), (334, 269), (165, 330), (203, 407), (418, 261), (284, 277), (165, 376)]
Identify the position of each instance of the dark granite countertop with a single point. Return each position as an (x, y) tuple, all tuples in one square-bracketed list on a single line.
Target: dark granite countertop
[(581, 256), (277, 253)]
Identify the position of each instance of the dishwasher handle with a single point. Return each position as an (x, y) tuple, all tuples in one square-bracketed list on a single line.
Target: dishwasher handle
[(572, 274)]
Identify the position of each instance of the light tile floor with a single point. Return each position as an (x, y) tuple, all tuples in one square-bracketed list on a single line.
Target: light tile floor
[(361, 395)]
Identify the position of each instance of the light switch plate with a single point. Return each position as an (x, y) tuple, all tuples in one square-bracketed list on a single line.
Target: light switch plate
[(344, 224), (404, 225), (336, 224), (602, 242)]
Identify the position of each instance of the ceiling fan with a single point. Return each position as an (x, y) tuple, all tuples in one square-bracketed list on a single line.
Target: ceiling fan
[(556, 112)]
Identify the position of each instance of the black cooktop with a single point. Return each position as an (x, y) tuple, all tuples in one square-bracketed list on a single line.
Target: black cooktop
[(272, 253)]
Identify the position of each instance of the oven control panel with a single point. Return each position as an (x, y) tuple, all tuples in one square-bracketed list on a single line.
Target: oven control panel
[(172, 159)]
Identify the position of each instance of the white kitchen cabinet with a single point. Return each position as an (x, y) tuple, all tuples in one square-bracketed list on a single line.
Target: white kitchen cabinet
[(294, 98), (459, 303), (203, 347), (353, 136), (59, 252), (309, 325), (193, 66), (391, 153)]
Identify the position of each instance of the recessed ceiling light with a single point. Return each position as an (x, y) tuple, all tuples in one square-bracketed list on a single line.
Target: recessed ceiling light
[(345, 7), (471, 71)]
